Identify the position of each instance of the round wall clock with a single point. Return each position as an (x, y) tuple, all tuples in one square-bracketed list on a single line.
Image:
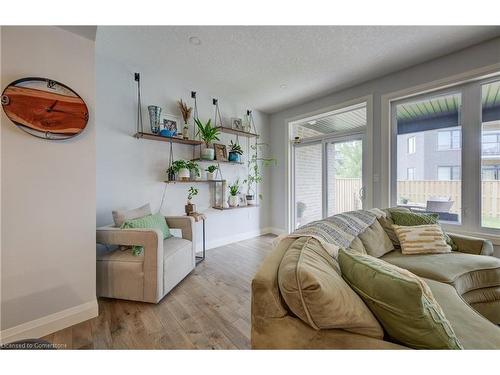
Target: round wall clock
[(45, 108)]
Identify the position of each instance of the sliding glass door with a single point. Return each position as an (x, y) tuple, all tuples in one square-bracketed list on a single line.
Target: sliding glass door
[(308, 183), (328, 163), (344, 175)]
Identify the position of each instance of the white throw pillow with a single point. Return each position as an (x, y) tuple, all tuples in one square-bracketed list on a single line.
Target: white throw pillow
[(421, 239), (120, 216)]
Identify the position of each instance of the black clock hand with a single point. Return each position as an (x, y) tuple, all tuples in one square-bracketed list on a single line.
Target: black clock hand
[(50, 109)]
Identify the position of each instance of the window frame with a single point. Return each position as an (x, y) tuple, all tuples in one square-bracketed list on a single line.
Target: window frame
[(470, 120), (367, 162)]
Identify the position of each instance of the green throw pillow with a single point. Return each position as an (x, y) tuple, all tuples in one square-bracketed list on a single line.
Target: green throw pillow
[(156, 221), (410, 219), (401, 301)]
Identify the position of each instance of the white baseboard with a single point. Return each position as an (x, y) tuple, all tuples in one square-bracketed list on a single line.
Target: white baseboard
[(51, 323), (211, 244), (277, 231)]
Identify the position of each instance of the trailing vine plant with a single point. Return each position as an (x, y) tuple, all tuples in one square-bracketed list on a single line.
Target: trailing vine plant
[(254, 167)]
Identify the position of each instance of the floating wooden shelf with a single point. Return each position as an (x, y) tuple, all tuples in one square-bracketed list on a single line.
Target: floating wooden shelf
[(234, 208), (191, 181), (217, 161), (156, 137), (237, 132)]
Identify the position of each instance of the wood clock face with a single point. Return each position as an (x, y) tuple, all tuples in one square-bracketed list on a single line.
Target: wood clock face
[(45, 108)]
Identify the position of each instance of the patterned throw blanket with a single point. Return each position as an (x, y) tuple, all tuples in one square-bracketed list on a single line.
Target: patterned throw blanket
[(338, 231)]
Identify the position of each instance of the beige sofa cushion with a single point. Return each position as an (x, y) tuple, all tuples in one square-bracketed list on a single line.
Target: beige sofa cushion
[(120, 216), (311, 285), (472, 330), (421, 239), (401, 301), (387, 223), (465, 272), (357, 245), (375, 240)]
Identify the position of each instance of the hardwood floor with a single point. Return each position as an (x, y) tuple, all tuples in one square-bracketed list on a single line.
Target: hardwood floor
[(209, 309)]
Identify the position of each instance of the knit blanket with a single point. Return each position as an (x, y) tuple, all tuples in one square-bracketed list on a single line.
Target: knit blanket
[(338, 231)]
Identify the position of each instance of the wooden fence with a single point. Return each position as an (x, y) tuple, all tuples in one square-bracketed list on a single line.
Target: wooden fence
[(346, 194), (421, 191)]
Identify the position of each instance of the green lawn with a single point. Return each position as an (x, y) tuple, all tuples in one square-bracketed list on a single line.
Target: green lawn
[(491, 222)]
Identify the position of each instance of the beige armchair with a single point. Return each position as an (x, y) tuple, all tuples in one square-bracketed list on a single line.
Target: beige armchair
[(151, 275)]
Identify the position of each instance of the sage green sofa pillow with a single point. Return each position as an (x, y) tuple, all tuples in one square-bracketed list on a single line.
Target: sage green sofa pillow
[(408, 219), (156, 221), (401, 301)]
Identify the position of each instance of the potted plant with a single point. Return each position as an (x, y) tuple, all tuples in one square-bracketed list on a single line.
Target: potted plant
[(194, 170), (190, 207), (186, 114), (179, 169), (210, 171), (234, 190), (254, 176), (235, 152), (208, 134)]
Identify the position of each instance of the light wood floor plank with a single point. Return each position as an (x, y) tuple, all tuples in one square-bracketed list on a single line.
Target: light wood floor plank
[(209, 309)]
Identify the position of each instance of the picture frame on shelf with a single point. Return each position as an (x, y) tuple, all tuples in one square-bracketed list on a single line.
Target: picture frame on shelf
[(220, 152), (170, 125), (237, 123)]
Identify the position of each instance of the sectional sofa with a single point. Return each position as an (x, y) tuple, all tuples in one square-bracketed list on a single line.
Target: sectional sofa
[(295, 288)]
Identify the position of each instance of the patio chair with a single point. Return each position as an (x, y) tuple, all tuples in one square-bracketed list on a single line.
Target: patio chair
[(439, 204)]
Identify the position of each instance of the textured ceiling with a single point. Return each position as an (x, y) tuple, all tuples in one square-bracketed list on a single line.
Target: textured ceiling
[(270, 68)]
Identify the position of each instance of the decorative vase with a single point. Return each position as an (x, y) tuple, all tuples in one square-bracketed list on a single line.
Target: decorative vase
[(210, 175), (185, 131), (250, 199), (154, 118), (234, 157), (234, 200), (183, 174), (167, 133), (208, 154)]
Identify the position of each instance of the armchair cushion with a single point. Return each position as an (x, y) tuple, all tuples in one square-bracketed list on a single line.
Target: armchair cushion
[(120, 216), (155, 221)]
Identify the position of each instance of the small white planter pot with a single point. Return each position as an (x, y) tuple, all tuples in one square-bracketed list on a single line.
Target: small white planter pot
[(250, 200), (208, 154), (193, 175), (234, 200), (183, 174), (210, 175)]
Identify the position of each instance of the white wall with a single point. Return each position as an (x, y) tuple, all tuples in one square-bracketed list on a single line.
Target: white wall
[(48, 194), (478, 56), (130, 171)]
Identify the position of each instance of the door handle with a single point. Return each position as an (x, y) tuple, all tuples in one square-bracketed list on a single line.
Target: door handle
[(362, 193)]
